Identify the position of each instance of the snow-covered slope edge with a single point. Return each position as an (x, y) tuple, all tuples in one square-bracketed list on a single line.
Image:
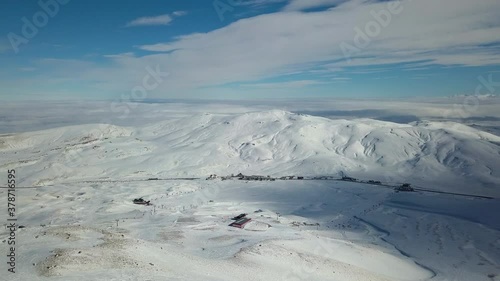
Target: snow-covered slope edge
[(447, 156)]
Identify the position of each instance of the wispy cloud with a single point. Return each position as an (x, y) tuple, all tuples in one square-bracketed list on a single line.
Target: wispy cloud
[(271, 45), (164, 19), (300, 5), (156, 20), (179, 13), (118, 56), (258, 3), (258, 47), (288, 84)]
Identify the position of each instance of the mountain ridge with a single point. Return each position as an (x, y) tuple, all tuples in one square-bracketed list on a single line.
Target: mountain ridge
[(447, 155)]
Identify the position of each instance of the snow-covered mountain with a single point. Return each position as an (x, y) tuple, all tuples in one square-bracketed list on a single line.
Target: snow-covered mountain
[(447, 156), (78, 228)]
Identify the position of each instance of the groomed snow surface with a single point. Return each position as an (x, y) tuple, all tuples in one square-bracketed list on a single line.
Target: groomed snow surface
[(80, 222)]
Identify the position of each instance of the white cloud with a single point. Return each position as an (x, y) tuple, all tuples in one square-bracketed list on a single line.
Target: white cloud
[(300, 5), (260, 2), (446, 32), (281, 85), (179, 13), (156, 20), (127, 54)]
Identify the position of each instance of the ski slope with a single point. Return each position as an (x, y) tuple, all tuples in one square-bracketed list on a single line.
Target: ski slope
[(324, 231)]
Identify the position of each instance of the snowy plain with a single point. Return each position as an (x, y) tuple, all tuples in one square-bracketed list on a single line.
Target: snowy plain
[(88, 164)]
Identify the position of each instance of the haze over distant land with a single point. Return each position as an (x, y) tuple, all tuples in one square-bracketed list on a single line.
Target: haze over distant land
[(481, 113)]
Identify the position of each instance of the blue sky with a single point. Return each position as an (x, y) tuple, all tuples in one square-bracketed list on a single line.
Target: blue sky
[(247, 48)]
